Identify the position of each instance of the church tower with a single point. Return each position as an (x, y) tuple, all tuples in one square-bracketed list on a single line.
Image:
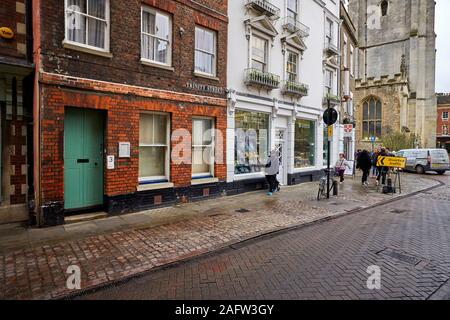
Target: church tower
[(396, 60)]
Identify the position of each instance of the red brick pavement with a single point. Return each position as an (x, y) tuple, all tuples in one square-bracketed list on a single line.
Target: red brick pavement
[(40, 272)]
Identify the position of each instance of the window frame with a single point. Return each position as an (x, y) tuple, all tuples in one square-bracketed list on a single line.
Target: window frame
[(445, 118), (166, 177), (214, 66), (266, 48), (288, 10), (330, 35), (329, 85), (149, 9), (375, 119), (209, 174), (107, 20), (314, 147), (297, 65), (352, 60)]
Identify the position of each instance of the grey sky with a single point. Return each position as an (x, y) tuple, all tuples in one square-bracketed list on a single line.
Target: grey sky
[(443, 45)]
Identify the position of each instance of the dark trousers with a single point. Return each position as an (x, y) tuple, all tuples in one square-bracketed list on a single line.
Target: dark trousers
[(382, 175), (341, 175), (366, 173), (273, 182)]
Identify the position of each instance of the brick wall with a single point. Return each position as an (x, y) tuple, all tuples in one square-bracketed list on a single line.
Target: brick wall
[(122, 124), (125, 40), (440, 122), (12, 15)]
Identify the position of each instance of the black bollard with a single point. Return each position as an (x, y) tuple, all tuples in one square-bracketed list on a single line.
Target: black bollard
[(335, 188)]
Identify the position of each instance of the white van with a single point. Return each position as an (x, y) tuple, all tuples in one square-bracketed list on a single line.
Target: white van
[(423, 160)]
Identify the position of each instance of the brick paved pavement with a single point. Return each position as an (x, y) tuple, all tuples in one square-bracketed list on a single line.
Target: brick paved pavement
[(39, 270), (408, 239)]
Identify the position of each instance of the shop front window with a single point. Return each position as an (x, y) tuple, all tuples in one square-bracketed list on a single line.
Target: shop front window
[(304, 144), (251, 141)]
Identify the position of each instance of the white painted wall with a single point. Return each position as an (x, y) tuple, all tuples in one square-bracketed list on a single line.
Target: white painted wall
[(312, 13)]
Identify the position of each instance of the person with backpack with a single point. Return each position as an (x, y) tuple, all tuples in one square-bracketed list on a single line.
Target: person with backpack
[(382, 171)]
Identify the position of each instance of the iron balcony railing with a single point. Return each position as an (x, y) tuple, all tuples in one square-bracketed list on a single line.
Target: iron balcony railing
[(334, 100), (265, 7), (295, 88), (261, 78), (331, 48), (292, 25)]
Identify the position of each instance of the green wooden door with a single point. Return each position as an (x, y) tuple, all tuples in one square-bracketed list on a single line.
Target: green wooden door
[(83, 158)]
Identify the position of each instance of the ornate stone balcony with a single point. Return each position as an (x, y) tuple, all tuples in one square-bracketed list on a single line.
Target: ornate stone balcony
[(294, 88), (331, 49), (295, 26), (263, 79), (264, 7)]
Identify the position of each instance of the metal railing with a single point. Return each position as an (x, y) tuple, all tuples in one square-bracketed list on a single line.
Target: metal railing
[(261, 78), (264, 6), (295, 88), (334, 100), (293, 26)]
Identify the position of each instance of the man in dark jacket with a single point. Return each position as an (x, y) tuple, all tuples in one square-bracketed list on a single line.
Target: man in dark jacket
[(364, 163), (382, 171)]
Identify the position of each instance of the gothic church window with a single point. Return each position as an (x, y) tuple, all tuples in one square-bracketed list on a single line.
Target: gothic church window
[(372, 118), (384, 8)]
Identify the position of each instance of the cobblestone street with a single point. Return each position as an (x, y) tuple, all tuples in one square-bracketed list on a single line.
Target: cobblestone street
[(408, 239), (35, 267)]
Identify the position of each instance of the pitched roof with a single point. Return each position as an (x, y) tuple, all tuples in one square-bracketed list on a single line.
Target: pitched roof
[(443, 98)]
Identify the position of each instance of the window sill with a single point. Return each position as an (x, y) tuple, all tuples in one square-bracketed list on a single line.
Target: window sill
[(206, 76), (244, 176), (154, 186), (72, 46), (156, 65), (204, 181)]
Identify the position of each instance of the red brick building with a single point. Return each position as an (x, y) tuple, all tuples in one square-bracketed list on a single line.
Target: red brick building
[(123, 86), (443, 121), (16, 98)]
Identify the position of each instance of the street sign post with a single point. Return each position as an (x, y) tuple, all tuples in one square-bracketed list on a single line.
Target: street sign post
[(372, 139), (330, 116), (393, 162)]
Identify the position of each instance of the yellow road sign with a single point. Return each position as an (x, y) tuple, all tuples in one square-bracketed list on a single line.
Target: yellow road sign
[(393, 162), (330, 131)]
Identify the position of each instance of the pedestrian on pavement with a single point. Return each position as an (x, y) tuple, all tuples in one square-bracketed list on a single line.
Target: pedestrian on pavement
[(272, 168), (364, 163), (382, 171), (340, 167), (374, 163)]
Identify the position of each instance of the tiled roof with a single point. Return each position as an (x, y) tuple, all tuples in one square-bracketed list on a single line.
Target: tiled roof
[(443, 98)]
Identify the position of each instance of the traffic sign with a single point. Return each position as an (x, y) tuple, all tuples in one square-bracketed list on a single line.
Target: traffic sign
[(330, 116), (348, 130), (392, 162)]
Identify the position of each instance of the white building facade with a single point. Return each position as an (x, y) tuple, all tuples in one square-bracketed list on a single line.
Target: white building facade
[(282, 62)]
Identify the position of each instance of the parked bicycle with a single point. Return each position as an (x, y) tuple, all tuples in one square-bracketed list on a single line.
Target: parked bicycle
[(323, 183)]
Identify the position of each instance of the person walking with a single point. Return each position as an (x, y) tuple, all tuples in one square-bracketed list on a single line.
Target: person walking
[(272, 168), (340, 166), (374, 163), (382, 171), (364, 163)]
